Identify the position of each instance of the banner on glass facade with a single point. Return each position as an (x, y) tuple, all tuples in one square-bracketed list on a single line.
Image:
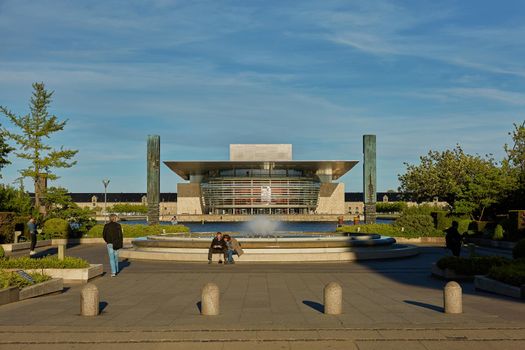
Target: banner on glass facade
[(266, 194)]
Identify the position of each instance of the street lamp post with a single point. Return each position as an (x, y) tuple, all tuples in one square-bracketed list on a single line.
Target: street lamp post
[(106, 183)]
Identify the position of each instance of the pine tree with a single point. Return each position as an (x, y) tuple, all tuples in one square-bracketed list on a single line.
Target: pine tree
[(35, 127), (5, 149)]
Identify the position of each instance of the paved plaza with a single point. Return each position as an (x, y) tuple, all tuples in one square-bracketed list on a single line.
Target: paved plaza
[(388, 304)]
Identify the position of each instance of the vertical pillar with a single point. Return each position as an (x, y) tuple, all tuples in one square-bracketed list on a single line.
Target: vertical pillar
[(153, 178), (369, 178)]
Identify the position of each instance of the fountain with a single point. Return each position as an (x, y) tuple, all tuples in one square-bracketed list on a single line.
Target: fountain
[(262, 242)]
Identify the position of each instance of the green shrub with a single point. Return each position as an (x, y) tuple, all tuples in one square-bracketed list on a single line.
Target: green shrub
[(441, 220), (518, 252), (478, 265), (463, 225), (390, 207), (498, 233), (2, 252), (13, 279), (48, 262), (7, 227), (129, 208), (139, 230), (56, 228), (418, 224), (513, 274)]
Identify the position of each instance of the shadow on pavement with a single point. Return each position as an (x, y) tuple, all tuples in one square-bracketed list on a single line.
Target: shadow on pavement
[(424, 305), (314, 305)]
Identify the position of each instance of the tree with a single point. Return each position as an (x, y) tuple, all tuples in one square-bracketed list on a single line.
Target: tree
[(468, 183), (60, 205), (5, 149), (35, 127), (15, 200), (514, 167)]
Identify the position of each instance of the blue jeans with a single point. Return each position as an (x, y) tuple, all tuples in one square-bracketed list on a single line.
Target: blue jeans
[(230, 253), (113, 259)]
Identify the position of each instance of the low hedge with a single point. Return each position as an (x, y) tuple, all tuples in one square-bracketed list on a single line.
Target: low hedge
[(388, 230), (478, 265), (139, 230), (513, 274), (48, 262), (13, 279)]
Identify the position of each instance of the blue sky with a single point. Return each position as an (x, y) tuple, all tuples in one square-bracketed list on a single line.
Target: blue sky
[(318, 74)]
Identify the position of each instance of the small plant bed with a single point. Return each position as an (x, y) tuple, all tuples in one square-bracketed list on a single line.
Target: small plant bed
[(48, 262), (134, 231), (13, 279), (478, 265), (513, 273)]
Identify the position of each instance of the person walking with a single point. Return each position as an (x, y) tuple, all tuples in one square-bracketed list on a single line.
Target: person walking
[(112, 234), (31, 225)]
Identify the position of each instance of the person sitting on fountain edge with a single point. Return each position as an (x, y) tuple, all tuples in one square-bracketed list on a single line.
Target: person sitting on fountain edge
[(234, 247), (218, 245)]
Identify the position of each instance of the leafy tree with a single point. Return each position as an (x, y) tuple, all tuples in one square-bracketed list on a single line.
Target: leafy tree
[(60, 205), (468, 183), (35, 127), (15, 200)]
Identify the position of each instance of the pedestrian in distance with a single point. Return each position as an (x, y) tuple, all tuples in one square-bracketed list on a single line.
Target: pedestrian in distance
[(112, 234), (234, 248), (218, 245), (32, 226), (453, 239)]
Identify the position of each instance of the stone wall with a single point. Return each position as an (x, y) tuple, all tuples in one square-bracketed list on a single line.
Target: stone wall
[(331, 199), (189, 199)]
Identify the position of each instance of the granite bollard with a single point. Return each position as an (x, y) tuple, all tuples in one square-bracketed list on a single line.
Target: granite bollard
[(210, 300), (333, 299), (452, 299), (89, 300), (61, 251)]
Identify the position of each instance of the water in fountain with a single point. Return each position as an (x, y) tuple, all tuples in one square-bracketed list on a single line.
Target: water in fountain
[(262, 226)]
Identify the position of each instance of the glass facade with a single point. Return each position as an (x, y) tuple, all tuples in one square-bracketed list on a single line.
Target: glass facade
[(258, 191)]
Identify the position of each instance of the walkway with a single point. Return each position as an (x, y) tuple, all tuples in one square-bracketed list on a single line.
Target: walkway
[(387, 305)]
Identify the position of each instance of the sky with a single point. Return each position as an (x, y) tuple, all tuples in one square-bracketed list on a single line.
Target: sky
[(418, 74)]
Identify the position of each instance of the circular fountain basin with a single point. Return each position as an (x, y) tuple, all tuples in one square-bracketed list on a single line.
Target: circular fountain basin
[(281, 247)]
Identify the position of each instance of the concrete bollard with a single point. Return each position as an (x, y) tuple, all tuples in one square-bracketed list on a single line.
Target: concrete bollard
[(210, 300), (333, 299), (89, 300), (61, 251), (452, 299)]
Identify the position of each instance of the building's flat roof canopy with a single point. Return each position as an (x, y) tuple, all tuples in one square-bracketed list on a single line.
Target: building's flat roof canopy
[(336, 167)]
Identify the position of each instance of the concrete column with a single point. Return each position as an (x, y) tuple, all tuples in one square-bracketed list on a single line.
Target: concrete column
[(153, 178), (333, 299), (89, 300), (452, 299), (210, 300), (369, 178), (61, 251)]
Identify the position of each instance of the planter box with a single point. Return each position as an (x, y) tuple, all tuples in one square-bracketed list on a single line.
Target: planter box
[(47, 287), (13, 247), (449, 274), (9, 295), (72, 275), (489, 285)]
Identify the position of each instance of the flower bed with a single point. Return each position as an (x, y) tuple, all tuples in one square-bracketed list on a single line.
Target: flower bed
[(13, 279)]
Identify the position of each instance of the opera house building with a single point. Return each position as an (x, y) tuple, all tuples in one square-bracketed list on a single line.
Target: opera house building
[(261, 179)]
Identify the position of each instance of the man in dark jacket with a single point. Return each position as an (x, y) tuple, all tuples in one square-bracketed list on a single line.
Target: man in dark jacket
[(453, 239), (112, 234), (218, 245)]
